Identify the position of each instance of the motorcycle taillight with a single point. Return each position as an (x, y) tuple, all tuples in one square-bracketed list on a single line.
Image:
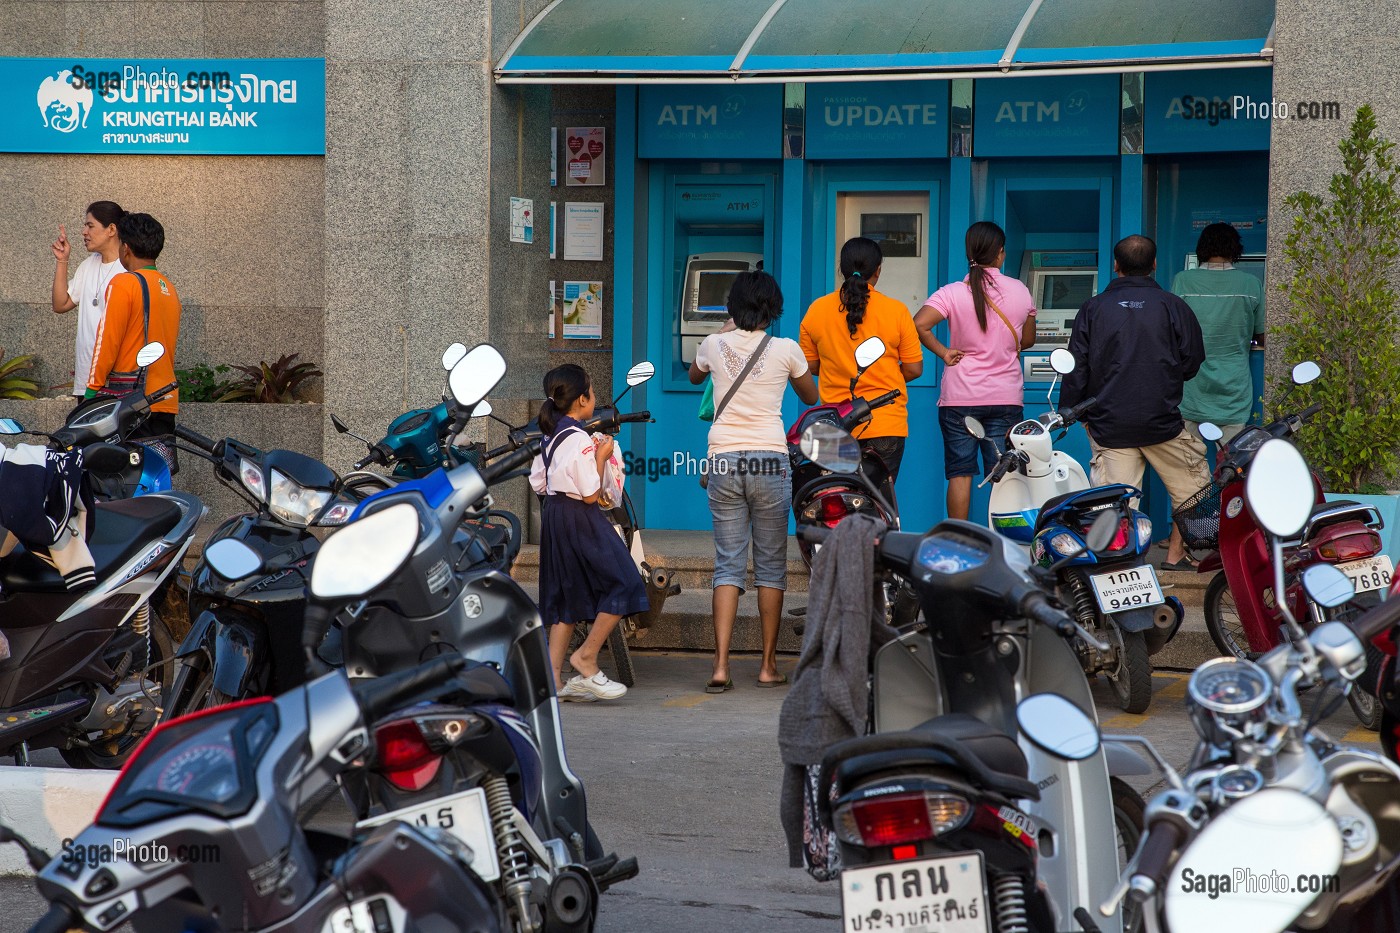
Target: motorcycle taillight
[(1122, 536), (833, 509), (894, 819), (404, 757), (1350, 547)]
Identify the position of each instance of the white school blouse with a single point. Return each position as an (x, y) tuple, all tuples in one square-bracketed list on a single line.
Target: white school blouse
[(574, 466)]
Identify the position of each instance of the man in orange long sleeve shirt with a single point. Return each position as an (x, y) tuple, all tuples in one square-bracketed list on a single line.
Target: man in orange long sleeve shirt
[(122, 333)]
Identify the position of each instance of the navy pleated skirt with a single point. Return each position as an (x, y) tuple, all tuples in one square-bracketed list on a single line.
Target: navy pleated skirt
[(585, 568)]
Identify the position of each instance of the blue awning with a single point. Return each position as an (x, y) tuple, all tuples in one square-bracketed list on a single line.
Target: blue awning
[(646, 41)]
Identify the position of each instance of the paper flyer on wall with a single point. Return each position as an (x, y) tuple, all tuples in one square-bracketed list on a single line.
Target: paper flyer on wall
[(522, 220), (554, 157), (553, 225), (553, 306), (583, 230), (583, 310), (587, 155)]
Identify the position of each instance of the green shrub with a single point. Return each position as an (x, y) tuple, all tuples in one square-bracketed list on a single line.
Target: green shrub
[(1342, 251), (203, 383)]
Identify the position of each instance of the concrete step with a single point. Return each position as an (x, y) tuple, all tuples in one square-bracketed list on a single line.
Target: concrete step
[(690, 556)]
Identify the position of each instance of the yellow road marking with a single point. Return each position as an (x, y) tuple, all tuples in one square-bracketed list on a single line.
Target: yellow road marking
[(688, 701), (1361, 736)]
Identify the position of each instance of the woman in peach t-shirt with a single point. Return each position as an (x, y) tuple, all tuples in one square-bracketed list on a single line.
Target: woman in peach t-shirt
[(991, 319)]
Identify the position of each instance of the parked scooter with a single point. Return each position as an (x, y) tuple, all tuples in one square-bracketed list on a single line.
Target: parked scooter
[(1043, 499), (944, 701), (1241, 611), (86, 668), (659, 582), (1266, 790)]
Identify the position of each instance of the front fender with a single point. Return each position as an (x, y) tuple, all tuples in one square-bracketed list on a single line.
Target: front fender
[(240, 648)]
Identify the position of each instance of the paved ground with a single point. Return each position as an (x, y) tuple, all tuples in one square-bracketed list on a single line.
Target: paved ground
[(688, 782)]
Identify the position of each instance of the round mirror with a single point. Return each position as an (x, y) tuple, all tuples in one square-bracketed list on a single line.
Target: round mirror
[(11, 426), (365, 553), (1210, 432), (640, 373), (974, 427), (1058, 726), (452, 355), (150, 353), (339, 425), (476, 374), (1279, 488), (830, 447), (482, 409), (1062, 361), (1276, 834), (231, 559), (1306, 372), (870, 350), (1103, 529), (1327, 586)]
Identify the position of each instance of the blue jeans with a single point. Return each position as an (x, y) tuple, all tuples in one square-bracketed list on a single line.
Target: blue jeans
[(750, 494), (960, 448)]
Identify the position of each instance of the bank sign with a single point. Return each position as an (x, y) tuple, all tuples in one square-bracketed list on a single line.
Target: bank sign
[(263, 106), (1046, 116), (1195, 111), (679, 121), (877, 120)]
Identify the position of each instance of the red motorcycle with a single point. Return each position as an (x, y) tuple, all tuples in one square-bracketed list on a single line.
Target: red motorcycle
[(1240, 605)]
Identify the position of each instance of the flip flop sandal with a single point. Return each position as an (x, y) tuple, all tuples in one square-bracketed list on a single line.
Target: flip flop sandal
[(781, 681), (1185, 565), (719, 686)]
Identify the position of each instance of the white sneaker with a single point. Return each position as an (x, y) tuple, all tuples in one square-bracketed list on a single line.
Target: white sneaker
[(588, 689)]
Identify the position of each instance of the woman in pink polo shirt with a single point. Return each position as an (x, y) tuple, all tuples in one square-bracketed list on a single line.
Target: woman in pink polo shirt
[(991, 319)]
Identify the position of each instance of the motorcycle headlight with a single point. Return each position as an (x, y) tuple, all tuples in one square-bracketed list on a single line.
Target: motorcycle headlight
[(294, 503), (251, 475), (1144, 531), (1064, 544), (337, 514)]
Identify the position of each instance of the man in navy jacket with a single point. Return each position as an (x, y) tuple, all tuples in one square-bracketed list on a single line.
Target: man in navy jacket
[(1135, 344)]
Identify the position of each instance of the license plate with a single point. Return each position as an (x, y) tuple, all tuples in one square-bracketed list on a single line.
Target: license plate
[(463, 815), (1129, 588), (932, 895), (1373, 573)]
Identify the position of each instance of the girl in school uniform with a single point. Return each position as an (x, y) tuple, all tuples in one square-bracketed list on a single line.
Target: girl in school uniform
[(586, 573)]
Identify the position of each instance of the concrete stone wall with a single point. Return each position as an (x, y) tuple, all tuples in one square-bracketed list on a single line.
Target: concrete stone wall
[(243, 234), (1325, 50)]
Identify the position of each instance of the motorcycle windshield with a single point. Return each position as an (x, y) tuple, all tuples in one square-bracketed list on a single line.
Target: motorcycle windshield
[(204, 762)]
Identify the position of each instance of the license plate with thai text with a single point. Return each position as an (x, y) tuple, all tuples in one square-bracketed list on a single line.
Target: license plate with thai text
[(463, 815), (932, 895), (1373, 573), (1128, 588)]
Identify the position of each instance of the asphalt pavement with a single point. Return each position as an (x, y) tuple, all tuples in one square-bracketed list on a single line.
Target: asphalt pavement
[(688, 782)]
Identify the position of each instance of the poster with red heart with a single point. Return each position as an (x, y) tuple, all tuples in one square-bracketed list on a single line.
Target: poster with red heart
[(587, 152)]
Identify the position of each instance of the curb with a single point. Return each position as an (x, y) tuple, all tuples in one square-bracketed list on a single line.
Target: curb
[(46, 806)]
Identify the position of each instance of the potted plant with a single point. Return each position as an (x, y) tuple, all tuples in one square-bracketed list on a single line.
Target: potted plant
[(1342, 251)]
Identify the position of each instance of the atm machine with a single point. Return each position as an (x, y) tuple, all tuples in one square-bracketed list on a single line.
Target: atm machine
[(705, 293), (1060, 282)]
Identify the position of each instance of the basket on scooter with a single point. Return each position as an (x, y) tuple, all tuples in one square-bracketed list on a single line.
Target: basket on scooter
[(1199, 519)]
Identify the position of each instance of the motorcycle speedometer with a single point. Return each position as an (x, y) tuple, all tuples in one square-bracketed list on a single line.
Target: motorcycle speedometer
[(1230, 686)]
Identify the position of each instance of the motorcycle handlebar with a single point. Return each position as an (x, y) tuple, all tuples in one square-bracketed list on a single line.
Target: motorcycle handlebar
[(1154, 858), (635, 417), (1378, 619), (382, 695), (195, 438), (496, 469), (1002, 466), (377, 454), (885, 399), (1308, 412), (1036, 607), (1077, 411), (162, 392), (60, 919)]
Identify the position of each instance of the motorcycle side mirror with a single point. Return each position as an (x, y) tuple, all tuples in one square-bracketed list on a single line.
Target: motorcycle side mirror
[(1306, 372), (1210, 431), (640, 373), (340, 426), (476, 374), (1058, 726), (232, 560), (831, 448), (1279, 489), (365, 553), (974, 427), (482, 409), (452, 355), (1327, 586), (870, 350), (1276, 830), (1062, 361), (11, 426), (150, 353)]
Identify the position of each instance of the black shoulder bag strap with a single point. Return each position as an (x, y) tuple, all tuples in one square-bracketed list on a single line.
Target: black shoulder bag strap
[(742, 376), (145, 326)]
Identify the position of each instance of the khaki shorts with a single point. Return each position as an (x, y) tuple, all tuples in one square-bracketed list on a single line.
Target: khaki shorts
[(1228, 432), (1180, 462)]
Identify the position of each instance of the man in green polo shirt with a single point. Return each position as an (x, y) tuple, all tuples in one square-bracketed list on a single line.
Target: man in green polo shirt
[(1229, 304)]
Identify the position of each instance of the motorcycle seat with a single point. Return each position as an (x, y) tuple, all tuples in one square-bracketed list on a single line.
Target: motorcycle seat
[(121, 529), (1095, 495), (986, 756)]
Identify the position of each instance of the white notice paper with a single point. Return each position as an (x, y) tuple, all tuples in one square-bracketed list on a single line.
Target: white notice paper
[(583, 230), (522, 220)]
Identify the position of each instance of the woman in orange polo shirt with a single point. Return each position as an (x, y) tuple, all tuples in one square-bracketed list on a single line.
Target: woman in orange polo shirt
[(837, 323)]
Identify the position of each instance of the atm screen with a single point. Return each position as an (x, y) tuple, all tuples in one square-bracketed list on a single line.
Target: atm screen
[(1065, 290), (713, 290)]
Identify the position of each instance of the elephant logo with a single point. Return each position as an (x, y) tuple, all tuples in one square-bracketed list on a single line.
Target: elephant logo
[(64, 106)]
